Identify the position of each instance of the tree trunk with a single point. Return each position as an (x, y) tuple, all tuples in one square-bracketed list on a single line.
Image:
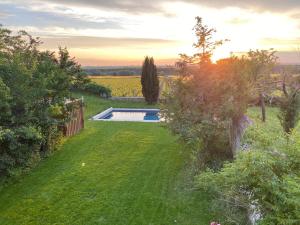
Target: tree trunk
[(263, 107), (237, 128)]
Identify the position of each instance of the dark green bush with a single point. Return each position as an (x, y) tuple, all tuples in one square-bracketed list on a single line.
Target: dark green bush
[(17, 147), (96, 89), (34, 86), (263, 182)]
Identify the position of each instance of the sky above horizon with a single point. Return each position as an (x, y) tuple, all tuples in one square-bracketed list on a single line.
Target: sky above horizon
[(122, 32)]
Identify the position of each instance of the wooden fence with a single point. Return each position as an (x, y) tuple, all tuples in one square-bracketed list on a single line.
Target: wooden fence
[(76, 123)]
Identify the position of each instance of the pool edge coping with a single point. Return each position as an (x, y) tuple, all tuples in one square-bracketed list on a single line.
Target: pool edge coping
[(95, 117)]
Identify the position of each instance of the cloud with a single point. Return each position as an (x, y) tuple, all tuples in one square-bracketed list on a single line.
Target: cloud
[(129, 6), (106, 51), (121, 5), (133, 28), (295, 16), (4, 15), (238, 21), (121, 62), (280, 43), (155, 5), (289, 57), (258, 5), (22, 17), (101, 42)]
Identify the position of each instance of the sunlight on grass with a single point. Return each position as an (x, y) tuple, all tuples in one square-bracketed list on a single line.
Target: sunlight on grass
[(110, 173)]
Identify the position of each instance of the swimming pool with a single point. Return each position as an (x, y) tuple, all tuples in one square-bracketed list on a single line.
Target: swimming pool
[(127, 114)]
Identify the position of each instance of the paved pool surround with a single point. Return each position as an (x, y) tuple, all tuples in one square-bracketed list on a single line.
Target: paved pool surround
[(129, 114)]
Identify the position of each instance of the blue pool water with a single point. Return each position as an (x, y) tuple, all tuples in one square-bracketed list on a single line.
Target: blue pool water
[(119, 114)]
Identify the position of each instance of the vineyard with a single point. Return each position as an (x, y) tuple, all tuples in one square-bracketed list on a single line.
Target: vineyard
[(125, 86), (121, 86)]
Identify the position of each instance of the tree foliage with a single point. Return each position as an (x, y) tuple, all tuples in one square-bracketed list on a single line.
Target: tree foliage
[(205, 105), (260, 65), (289, 103), (31, 83), (34, 85), (149, 81)]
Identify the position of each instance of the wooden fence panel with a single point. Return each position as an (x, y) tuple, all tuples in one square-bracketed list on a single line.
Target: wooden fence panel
[(76, 123)]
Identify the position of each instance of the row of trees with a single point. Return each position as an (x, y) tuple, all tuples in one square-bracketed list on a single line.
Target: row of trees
[(34, 85), (207, 107)]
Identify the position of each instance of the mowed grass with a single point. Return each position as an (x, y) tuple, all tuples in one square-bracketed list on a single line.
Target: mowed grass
[(113, 173)]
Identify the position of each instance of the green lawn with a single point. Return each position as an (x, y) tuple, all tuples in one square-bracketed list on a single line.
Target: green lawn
[(111, 173)]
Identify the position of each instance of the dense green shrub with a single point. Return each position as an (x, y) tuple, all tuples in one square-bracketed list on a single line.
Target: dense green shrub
[(34, 85), (261, 183), (18, 146), (5, 97), (96, 89)]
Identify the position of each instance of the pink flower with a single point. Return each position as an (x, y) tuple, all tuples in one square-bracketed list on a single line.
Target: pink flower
[(214, 223)]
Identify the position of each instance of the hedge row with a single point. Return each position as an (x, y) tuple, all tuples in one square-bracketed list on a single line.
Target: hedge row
[(96, 89)]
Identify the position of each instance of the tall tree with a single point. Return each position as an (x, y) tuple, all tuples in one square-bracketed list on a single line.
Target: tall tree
[(261, 63), (72, 68), (149, 81), (205, 105)]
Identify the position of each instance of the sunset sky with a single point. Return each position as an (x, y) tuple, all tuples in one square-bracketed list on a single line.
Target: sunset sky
[(122, 32)]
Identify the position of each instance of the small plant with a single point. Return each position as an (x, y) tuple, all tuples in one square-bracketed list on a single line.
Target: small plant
[(289, 104)]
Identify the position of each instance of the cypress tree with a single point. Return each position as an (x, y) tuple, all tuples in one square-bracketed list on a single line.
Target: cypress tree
[(149, 81)]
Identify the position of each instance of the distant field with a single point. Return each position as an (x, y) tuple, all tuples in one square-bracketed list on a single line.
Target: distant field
[(122, 86)]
